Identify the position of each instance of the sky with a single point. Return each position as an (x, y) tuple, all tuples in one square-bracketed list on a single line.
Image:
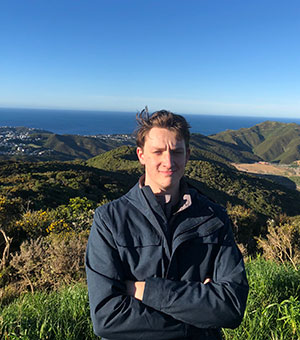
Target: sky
[(231, 57)]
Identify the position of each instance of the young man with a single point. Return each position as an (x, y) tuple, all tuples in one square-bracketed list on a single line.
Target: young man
[(161, 260)]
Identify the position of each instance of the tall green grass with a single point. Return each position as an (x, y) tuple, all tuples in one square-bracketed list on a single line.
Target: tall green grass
[(62, 315), (273, 310)]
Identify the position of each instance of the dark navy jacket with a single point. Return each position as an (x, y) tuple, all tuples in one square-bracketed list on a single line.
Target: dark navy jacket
[(128, 242)]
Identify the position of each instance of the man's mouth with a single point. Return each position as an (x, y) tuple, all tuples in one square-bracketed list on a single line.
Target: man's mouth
[(167, 172)]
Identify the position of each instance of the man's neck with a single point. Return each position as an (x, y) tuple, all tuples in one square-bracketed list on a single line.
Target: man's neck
[(168, 197)]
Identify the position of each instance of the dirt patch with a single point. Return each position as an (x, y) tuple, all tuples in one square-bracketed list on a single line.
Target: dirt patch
[(278, 173), (267, 168)]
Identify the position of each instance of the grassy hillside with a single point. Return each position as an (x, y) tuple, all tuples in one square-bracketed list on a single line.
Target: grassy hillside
[(123, 158), (74, 146), (225, 184), (270, 141), (37, 145), (227, 151), (45, 185)]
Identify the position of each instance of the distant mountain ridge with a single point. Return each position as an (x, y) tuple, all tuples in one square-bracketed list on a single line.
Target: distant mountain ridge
[(268, 141)]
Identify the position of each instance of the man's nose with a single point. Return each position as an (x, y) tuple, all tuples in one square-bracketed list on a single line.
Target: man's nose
[(168, 159)]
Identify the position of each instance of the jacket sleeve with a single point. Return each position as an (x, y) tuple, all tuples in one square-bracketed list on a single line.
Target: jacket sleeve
[(115, 314), (220, 303)]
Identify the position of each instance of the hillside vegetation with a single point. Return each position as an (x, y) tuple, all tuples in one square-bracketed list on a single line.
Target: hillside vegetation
[(42, 185), (123, 159), (270, 141), (213, 149), (80, 147)]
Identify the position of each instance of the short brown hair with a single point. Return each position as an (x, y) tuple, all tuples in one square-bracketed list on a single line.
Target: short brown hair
[(163, 119)]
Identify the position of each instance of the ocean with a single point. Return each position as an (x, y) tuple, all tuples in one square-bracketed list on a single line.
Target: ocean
[(104, 122)]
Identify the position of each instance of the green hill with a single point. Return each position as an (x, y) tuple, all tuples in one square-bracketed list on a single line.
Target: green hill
[(225, 184), (74, 146), (221, 150), (270, 141), (42, 185), (123, 159)]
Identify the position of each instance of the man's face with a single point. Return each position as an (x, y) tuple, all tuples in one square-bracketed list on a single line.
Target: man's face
[(164, 157)]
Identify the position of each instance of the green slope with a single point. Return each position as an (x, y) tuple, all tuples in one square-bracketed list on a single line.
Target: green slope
[(225, 184), (123, 158), (42, 185), (81, 147), (228, 152), (270, 141)]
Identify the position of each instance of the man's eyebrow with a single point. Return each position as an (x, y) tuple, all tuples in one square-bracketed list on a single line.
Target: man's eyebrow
[(158, 148)]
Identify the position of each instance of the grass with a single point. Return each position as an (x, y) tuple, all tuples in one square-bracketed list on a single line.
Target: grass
[(56, 315), (273, 310)]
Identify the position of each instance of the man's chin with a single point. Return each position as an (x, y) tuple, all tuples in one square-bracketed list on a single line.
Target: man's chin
[(170, 185)]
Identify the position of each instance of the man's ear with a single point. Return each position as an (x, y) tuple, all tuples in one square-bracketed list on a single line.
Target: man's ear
[(140, 154)]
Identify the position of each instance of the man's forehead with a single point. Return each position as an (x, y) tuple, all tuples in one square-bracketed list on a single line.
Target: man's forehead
[(162, 136)]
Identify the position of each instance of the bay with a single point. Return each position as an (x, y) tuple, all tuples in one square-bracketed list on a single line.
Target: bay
[(105, 122)]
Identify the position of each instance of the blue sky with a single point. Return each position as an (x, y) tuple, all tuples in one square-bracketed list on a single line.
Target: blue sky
[(237, 57)]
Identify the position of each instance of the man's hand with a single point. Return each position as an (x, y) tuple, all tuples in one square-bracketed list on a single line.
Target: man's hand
[(135, 289)]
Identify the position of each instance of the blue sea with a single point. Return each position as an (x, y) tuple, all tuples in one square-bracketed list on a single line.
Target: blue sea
[(105, 122)]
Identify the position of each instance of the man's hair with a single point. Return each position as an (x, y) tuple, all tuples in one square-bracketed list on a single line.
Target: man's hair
[(162, 119)]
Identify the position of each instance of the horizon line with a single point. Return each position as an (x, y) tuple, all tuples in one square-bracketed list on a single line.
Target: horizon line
[(137, 111)]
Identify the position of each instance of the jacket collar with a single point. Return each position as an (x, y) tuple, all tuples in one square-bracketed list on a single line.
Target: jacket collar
[(185, 199)]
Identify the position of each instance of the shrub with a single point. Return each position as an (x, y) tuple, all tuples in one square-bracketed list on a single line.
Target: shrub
[(244, 222), (282, 243), (75, 216), (35, 223), (49, 262)]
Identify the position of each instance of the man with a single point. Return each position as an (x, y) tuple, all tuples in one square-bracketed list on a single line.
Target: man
[(161, 261)]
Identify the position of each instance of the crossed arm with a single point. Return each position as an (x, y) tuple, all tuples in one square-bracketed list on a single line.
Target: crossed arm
[(136, 288)]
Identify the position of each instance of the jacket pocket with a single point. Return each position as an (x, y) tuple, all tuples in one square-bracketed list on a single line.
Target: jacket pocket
[(206, 232), (141, 255), (130, 240)]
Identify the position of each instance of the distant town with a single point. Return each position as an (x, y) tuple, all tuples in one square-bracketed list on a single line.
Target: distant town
[(23, 141), (20, 141)]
